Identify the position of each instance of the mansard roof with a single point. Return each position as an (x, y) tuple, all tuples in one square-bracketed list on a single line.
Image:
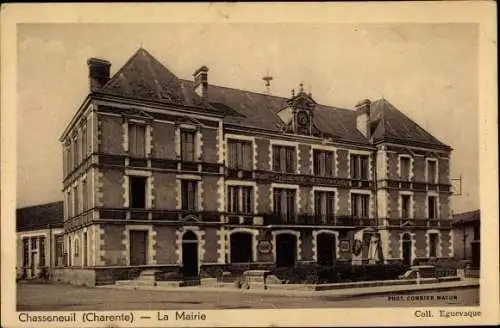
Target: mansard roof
[(40, 216), (144, 77)]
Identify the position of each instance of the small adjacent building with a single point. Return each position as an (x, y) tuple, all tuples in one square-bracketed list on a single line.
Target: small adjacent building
[(467, 237), (171, 173), (39, 239)]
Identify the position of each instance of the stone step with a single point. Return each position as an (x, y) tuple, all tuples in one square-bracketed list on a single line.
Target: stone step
[(168, 283), (148, 275)]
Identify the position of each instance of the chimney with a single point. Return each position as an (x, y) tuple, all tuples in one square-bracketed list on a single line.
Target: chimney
[(98, 73), (201, 82), (363, 117)]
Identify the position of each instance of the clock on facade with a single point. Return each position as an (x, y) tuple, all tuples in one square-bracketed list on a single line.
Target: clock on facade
[(302, 118)]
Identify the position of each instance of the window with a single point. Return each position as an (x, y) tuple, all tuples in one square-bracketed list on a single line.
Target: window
[(33, 244), (67, 159), (359, 167), (240, 200), (137, 140), (26, 252), (360, 205), (433, 243), (324, 205), (75, 152), (84, 142), (404, 168), (70, 204), (42, 252), (477, 232), (323, 163), (431, 172), (405, 206), (137, 192), (284, 204), (432, 207), (69, 256), (77, 201), (85, 198), (67, 203), (59, 249), (240, 154), (77, 247), (187, 145), (284, 159), (189, 195), (85, 241)]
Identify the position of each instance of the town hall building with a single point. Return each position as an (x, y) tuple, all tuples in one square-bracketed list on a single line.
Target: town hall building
[(170, 173)]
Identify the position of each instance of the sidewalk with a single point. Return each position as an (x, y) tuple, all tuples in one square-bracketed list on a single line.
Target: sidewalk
[(338, 293)]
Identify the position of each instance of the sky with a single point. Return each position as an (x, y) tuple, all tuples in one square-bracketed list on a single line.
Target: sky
[(428, 71)]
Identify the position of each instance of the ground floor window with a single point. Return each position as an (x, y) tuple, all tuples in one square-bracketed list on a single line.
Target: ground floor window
[(241, 247), (42, 252), (26, 252), (59, 249), (138, 247), (433, 244)]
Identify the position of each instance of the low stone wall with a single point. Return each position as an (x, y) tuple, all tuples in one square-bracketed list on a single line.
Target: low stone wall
[(74, 276), (361, 284), (96, 276)]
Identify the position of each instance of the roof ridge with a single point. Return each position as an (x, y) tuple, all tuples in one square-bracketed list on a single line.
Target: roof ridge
[(40, 205), (264, 94)]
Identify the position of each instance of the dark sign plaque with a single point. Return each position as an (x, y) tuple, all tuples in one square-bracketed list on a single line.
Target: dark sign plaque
[(264, 247)]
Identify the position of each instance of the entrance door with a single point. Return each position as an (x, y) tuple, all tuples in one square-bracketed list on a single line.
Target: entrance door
[(325, 249), (406, 249), (138, 247), (190, 255), (286, 250)]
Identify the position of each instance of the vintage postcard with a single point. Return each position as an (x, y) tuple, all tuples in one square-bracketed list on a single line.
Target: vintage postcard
[(306, 164)]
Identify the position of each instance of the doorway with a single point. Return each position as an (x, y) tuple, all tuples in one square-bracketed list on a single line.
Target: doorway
[(407, 248), (241, 247), (190, 255), (286, 250), (326, 249), (138, 247)]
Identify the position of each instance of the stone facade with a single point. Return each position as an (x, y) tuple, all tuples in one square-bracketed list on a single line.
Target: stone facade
[(179, 167)]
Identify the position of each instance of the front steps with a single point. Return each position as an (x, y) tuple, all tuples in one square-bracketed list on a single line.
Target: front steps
[(154, 278)]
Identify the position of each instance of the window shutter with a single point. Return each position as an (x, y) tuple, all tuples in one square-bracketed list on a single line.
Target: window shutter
[(247, 161), (276, 158), (330, 203), (329, 164), (353, 166), (364, 167), (277, 201), (354, 205), (317, 203)]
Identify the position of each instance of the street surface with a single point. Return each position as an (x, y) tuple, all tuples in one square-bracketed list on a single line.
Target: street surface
[(58, 297)]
